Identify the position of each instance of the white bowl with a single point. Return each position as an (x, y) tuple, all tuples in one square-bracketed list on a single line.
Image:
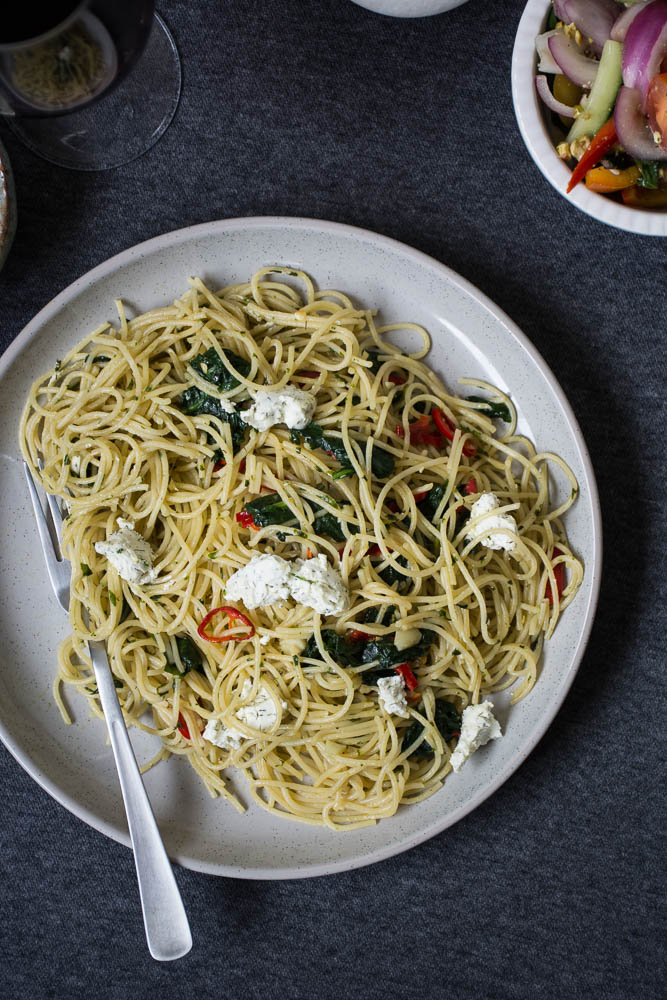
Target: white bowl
[(409, 8), (533, 128)]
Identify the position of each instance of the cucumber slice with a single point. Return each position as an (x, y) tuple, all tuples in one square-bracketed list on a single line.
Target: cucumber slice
[(603, 94)]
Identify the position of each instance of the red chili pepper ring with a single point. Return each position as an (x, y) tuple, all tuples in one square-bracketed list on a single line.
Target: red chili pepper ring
[(234, 615)]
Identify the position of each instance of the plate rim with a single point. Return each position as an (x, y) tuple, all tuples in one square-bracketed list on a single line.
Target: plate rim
[(219, 227)]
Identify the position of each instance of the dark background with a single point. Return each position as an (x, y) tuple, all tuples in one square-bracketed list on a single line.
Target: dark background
[(554, 886)]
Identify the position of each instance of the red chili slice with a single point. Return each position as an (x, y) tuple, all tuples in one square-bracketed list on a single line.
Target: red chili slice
[(471, 486), (411, 681), (307, 374), (400, 431), (356, 635), (183, 727), (396, 379), (559, 574), (234, 615), (447, 429), (421, 495)]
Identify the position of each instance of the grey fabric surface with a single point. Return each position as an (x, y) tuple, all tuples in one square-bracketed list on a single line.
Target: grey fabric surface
[(554, 887)]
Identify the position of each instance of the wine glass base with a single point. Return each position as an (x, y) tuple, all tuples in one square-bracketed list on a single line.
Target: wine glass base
[(121, 125)]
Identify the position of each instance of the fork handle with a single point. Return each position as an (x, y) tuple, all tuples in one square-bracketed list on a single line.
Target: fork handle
[(165, 921)]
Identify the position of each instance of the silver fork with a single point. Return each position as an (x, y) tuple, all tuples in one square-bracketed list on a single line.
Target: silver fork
[(165, 921)]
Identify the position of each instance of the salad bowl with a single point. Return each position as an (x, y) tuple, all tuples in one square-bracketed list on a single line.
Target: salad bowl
[(533, 121)]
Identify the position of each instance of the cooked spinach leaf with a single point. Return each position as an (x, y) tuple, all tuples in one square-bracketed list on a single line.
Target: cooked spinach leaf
[(342, 650), (211, 367), (432, 500), (195, 402), (447, 721), (497, 411), (269, 509), (382, 463), (375, 360), (393, 577), (190, 655), (316, 437), (384, 655)]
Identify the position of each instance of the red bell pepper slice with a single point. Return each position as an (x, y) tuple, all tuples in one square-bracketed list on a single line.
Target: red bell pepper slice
[(411, 681), (446, 429), (183, 727), (604, 139), (234, 615), (559, 574)]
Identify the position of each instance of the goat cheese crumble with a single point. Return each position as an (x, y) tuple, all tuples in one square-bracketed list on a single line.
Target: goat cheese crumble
[(129, 554), (267, 579), (261, 713), (264, 580), (290, 406), (478, 726), (391, 692), (317, 585), (497, 531)]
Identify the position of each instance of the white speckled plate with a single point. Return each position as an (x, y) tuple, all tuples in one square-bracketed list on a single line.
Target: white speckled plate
[(470, 337)]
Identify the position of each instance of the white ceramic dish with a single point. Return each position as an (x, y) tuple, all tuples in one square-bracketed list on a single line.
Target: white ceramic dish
[(471, 336), (409, 8), (531, 121)]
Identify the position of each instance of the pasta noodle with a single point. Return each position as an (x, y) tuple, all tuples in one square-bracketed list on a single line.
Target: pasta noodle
[(388, 504)]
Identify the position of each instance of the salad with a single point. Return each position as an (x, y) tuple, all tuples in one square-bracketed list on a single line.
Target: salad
[(603, 73)]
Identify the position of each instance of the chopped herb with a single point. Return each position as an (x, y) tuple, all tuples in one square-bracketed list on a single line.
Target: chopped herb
[(112, 598), (66, 460), (447, 721), (86, 570), (343, 473), (117, 682), (212, 555), (100, 359)]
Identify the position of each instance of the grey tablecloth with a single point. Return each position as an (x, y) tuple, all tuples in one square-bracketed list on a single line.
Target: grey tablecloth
[(552, 887)]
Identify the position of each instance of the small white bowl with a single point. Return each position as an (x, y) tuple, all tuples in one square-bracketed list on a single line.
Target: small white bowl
[(532, 125), (409, 8)]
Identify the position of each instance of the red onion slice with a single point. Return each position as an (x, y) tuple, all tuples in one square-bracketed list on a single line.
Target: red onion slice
[(547, 63), (645, 47), (542, 87), (573, 63), (620, 29), (594, 18), (632, 128)]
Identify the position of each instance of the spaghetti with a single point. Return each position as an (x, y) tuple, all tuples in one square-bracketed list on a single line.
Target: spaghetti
[(145, 423)]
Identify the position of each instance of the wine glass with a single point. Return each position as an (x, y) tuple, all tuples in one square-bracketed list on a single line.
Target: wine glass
[(88, 85)]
